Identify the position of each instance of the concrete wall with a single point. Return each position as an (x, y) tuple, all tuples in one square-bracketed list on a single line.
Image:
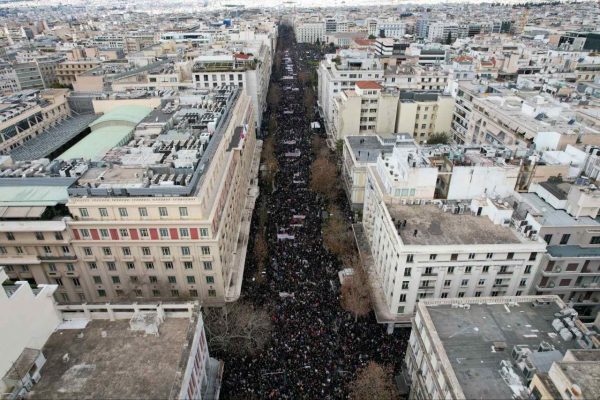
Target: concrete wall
[(471, 182)]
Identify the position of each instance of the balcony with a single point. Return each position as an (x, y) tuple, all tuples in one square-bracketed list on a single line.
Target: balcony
[(50, 257)]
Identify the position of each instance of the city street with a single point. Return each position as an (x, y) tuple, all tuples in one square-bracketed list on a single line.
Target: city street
[(316, 346)]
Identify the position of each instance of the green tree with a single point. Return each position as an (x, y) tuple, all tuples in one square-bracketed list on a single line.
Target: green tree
[(438, 138)]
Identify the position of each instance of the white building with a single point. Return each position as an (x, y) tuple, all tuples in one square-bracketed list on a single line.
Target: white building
[(310, 31), (442, 249)]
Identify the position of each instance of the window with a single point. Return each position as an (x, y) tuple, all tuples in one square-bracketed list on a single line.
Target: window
[(405, 284), (184, 232), (528, 269), (532, 256), (52, 267), (193, 293), (138, 293), (432, 256), (207, 265), (468, 270), (164, 232), (58, 235), (130, 265), (402, 298), (124, 233), (122, 212), (143, 211), (471, 256), (174, 293), (464, 282), (410, 258), (406, 271), (149, 265), (104, 233), (183, 211), (477, 294), (565, 238), (58, 281), (47, 250), (185, 251), (144, 232), (25, 268), (76, 282), (85, 233), (97, 280), (126, 251), (447, 283), (510, 256), (548, 238), (461, 294), (172, 279), (485, 268), (210, 279), (101, 293), (498, 282), (503, 269), (168, 265), (564, 282), (19, 249), (116, 280), (120, 292), (162, 211), (572, 267), (166, 251), (111, 266), (188, 265), (594, 240), (450, 270), (106, 251), (39, 236), (10, 236), (204, 232), (84, 212), (155, 292), (146, 251), (103, 212), (152, 279), (428, 270), (444, 295), (523, 283), (191, 279), (495, 293), (92, 265), (205, 250), (481, 282), (212, 293), (3, 250), (66, 249), (453, 257)]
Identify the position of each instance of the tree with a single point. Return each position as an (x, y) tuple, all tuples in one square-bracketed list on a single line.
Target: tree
[(355, 291), (337, 234), (274, 95), (449, 38), (309, 103), (438, 138), (261, 252), (237, 327), (374, 381), (323, 178), (269, 160), (372, 37), (304, 77)]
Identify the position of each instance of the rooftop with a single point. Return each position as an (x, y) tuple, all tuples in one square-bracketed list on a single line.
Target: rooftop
[(477, 338), (436, 227), (368, 85), (107, 360), (584, 373), (368, 148)]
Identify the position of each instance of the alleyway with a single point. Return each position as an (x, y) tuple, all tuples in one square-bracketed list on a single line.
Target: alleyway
[(316, 346)]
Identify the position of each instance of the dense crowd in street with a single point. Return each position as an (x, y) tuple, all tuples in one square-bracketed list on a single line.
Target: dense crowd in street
[(316, 347)]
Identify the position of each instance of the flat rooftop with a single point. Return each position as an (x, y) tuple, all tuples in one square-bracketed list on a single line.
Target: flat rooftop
[(106, 360), (368, 148), (468, 337), (436, 227)]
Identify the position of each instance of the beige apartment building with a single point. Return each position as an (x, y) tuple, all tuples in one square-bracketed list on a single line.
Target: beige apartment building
[(139, 223), (66, 71), (25, 115), (370, 109)]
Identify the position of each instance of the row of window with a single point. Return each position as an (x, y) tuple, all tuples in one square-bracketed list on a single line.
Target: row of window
[(112, 266), (410, 258), (147, 251), (444, 295), (153, 233), (504, 269), (155, 293), (142, 211), (191, 279), (38, 236)]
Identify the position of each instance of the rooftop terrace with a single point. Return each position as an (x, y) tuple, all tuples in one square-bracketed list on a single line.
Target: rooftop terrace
[(477, 338), (434, 227), (107, 360)]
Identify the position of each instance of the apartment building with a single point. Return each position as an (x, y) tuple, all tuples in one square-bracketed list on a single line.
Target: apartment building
[(416, 77), (146, 216), (424, 249), (564, 215), (26, 114), (507, 342), (38, 72), (309, 31), (250, 71), (424, 114), (8, 80), (342, 72), (50, 350), (66, 71)]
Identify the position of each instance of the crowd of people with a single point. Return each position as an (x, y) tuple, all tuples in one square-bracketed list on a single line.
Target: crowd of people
[(316, 347)]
